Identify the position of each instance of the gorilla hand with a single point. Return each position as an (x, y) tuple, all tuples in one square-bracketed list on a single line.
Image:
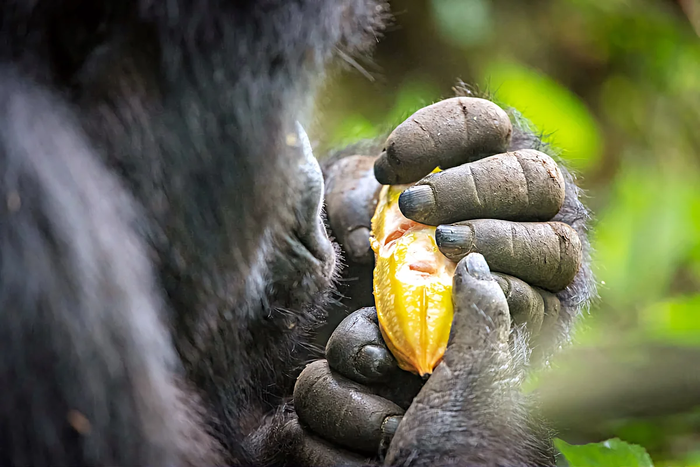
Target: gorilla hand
[(351, 198), (354, 400), (537, 254), (496, 206), (346, 408), (470, 411), (506, 206)]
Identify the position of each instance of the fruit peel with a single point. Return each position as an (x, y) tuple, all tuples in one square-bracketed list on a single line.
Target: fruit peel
[(412, 286)]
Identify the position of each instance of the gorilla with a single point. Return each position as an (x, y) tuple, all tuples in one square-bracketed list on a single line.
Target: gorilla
[(165, 259)]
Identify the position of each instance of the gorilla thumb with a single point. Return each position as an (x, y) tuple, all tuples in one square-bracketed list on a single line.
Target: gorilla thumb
[(481, 316)]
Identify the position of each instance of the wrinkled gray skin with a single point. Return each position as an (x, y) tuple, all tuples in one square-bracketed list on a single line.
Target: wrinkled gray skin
[(470, 411)]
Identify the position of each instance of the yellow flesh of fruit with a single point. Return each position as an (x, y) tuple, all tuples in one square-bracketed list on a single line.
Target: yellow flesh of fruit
[(412, 286)]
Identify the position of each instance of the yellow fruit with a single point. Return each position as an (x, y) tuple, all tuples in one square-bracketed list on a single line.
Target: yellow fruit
[(412, 286)]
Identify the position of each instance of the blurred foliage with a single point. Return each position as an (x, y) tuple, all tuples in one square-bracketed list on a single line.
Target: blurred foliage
[(574, 129), (615, 84)]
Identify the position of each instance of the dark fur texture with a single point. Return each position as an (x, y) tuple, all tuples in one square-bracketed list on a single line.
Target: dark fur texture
[(149, 188), (157, 282)]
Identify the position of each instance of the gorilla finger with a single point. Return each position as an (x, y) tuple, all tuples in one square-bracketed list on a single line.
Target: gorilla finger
[(351, 198), (543, 254), (402, 390), (342, 411), (524, 185), (445, 134), (306, 449), (480, 308), (550, 333), (552, 307), (357, 351), (525, 303)]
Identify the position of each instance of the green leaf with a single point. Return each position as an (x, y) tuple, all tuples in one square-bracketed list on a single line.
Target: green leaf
[(611, 453)]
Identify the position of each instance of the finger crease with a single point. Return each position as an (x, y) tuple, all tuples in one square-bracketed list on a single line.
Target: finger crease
[(560, 250), (472, 245), (425, 130), (471, 177), (527, 179)]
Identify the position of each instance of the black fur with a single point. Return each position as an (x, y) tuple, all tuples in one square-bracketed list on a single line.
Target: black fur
[(157, 289), (82, 336), (148, 188)]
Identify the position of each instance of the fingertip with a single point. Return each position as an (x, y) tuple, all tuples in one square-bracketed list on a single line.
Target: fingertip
[(356, 349), (481, 308), (470, 269), (454, 241), (417, 203), (477, 267), (375, 362), (390, 425), (383, 172)]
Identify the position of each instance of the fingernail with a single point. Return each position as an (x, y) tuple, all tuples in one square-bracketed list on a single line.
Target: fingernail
[(357, 245), (417, 202), (455, 241), (374, 361), (383, 172), (477, 267), (391, 424)]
